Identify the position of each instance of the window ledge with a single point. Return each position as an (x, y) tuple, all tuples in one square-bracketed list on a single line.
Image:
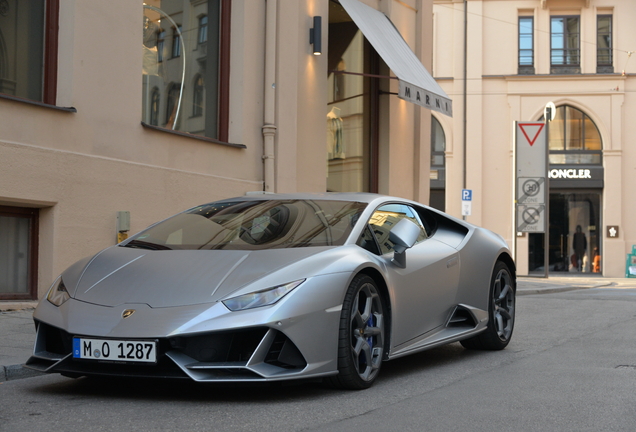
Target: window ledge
[(39, 104), (189, 135)]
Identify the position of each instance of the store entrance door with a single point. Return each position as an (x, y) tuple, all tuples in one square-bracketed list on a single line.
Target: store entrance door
[(574, 234)]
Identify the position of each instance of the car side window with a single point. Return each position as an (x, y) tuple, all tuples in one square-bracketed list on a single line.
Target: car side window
[(385, 218)]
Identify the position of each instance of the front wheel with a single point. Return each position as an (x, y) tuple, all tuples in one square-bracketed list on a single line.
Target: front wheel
[(501, 312), (361, 336)]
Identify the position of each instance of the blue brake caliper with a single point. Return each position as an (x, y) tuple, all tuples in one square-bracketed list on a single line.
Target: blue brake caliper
[(370, 323)]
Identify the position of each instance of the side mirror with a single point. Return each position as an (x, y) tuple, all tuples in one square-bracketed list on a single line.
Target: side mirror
[(403, 236)]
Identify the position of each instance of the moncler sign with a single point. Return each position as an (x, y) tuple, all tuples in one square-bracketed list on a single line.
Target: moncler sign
[(570, 174)]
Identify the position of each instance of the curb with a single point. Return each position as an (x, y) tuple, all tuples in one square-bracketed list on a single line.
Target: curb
[(13, 372), (555, 290)]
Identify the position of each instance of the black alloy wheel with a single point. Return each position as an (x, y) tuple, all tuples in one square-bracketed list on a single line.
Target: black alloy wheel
[(361, 336)]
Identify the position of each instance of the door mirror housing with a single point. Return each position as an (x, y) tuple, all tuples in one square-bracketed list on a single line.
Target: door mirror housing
[(403, 236)]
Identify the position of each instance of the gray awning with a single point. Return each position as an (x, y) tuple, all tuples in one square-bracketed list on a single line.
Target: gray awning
[(415, 83)]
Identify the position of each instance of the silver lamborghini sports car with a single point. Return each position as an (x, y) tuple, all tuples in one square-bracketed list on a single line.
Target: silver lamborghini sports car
[(278, 287)]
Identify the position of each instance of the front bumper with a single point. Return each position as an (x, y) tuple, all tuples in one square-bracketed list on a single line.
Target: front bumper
[(257, 354)]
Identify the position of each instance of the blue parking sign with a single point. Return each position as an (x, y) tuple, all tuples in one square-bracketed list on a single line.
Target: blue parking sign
[(467, 194)]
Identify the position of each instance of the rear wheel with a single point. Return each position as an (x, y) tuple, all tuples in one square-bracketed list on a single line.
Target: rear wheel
[(361, 336), (501, 312)]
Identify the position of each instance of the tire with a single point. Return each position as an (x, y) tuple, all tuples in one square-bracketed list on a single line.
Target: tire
[(361, 336), (501, 312)]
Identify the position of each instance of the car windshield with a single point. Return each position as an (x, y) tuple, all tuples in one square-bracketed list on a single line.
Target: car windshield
[(254, 225)]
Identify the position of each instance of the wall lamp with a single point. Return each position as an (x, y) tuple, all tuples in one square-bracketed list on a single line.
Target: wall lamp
[(315, 35)]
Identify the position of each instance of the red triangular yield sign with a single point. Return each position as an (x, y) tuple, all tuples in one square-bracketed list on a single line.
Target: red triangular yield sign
[(539, 127)]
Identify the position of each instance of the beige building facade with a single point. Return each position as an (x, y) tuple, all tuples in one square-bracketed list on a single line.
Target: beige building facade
[(521, 55), (100, 114)]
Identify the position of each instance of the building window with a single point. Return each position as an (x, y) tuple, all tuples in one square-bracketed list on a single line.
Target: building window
[(565, 52), (197, 21), (28, 49), (172, 105), (176, 42), (526, 46), (161, 44), (154, 107), (574, 138), (18, 253), (203, 29), (197, 97), (604, 44), (438, 144)]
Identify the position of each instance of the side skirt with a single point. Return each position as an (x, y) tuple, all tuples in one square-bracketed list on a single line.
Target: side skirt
[(464, 322)]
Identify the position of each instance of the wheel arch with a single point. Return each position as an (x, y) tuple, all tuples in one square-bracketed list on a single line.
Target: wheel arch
[(508, 261)]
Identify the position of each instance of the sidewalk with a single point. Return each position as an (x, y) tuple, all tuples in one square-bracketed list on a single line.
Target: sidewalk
[(17, 332)]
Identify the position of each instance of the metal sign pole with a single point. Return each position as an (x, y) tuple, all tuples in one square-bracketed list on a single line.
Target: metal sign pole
[(546, 194), (548, 115)]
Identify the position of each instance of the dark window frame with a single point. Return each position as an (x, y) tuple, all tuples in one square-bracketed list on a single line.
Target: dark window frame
[(154, 106), (33, 214), (605, 66), (202, 37), (567, 66), (161, 41), (224, 70), (198, 90), (525, 68), (51, 40), (176, 41)]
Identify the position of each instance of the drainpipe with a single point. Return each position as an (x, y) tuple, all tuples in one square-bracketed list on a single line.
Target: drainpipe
[(465, 88), (269, 114)]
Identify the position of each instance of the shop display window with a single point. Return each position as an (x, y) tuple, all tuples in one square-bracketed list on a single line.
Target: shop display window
[(352, 110), (186, 66), (28, 49)]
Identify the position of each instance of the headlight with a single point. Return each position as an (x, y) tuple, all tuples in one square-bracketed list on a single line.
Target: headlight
[(58, 293), (260, 298)]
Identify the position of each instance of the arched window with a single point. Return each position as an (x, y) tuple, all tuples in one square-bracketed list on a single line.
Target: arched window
[(154, 107), (172, 105), (438, 166), (574, 138), (197, 96), (438, 144)]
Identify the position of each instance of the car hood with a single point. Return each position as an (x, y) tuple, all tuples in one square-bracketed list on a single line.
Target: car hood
[(120, 275)]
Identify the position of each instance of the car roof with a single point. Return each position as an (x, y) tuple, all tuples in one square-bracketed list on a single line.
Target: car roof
[(362, 197)]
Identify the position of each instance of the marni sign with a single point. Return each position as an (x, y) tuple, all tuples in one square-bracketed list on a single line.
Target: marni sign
[(427, 99)]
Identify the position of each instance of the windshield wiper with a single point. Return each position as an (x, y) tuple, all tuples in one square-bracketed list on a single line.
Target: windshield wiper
[(139, 244)]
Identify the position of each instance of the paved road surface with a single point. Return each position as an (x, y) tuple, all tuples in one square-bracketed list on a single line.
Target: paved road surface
[(571, 366)]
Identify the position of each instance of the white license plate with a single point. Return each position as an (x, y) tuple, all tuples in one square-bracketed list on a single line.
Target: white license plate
[(115, 350)]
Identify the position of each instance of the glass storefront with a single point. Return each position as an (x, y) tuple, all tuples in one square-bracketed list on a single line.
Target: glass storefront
[(576, 186), (575, 234), (351, 115)]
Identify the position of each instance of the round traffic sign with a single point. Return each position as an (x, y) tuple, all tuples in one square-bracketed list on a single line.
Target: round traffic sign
[(531, 215), (531, 187)]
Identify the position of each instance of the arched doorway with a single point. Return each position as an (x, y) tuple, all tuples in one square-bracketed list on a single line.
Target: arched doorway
[(576, 187)]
